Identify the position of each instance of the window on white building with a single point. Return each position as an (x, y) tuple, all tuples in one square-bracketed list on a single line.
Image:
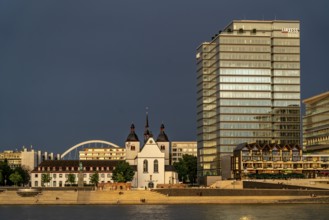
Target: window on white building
[(156, 166), (145, 166)]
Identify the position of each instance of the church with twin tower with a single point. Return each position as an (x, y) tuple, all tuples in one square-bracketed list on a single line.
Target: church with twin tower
[(151, 159)]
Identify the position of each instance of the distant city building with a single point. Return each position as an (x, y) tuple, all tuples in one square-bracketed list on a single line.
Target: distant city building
[(179, 148), (248, 90), (13, 158), (27, 158), (316, 124), (275, 159), (112, 153), (30, 159)]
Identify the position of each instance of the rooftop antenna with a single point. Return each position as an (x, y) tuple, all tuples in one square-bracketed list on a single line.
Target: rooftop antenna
[(275, 17)]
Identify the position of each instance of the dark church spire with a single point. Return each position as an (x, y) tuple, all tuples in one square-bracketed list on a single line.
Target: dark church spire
[(162, 136), (147, 132), (132, 136)]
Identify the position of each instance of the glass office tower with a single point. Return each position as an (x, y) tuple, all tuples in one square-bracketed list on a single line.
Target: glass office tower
[(248, 90)]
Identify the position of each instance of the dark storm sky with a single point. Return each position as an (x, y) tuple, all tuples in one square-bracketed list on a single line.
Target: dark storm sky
[(72, 71)]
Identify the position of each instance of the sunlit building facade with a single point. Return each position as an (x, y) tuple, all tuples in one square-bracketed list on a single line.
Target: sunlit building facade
[(26, 158), (109, 153), (316, 124), (13, 158), (179, 148), (248, 89), (277, 159)]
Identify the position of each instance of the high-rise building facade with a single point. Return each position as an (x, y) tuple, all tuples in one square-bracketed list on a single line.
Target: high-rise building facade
[(248, 89), (316, 124)]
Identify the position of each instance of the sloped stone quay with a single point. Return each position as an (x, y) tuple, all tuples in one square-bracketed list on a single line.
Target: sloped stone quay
[(186, 196)]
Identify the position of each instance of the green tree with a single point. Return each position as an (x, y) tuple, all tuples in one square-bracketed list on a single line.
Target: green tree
[(45, 178), (123, 172), (94, 179), (6, 171), (191, 164), (186, 168), (16, 178), (181, 169), (24, 174), (70, 178), (1, 177), (120, 178)]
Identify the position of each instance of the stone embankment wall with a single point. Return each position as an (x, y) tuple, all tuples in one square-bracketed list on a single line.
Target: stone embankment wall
[(278, 185), (240, 192)]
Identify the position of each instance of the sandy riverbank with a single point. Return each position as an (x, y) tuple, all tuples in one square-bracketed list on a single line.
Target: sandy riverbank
[(143, 197)]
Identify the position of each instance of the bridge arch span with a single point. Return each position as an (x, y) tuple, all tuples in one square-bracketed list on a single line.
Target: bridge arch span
[(94, 142)]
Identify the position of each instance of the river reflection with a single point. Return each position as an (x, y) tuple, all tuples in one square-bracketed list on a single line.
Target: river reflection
[(163, 212)]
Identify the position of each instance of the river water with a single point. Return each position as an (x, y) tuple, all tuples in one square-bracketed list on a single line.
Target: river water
[(150, 212)]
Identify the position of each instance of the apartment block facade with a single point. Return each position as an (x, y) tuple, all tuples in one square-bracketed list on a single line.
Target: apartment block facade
[(179, 148), (277, 159)]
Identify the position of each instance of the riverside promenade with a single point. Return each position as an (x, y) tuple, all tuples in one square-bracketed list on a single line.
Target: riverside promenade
[(141, 197)]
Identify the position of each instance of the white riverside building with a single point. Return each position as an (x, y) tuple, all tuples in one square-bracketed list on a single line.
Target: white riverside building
[(151, 164)]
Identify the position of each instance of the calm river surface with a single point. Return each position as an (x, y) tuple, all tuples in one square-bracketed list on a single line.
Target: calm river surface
[(201, 212)]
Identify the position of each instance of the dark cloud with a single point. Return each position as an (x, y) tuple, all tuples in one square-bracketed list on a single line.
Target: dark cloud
[(77, 70)]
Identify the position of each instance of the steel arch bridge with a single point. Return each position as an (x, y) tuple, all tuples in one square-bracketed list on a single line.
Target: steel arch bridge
[(67, 155)]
